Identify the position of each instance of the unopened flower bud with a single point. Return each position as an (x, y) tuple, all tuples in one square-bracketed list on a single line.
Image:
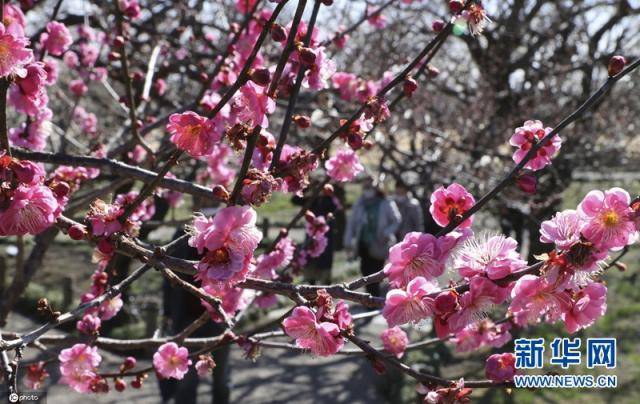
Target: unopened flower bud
[(260, 76), (61, 189), (129, 363), (309, 216), (328, 189), (278, 33), (220, 193), (307, 55), (433, 71), (120, 385), (354, 140), (118, 41), (77, 232), (302, 121), (327, 2), (456, 6), (616, 64), (445, 302), (113, 56), (437, 25), (136, 383), (105, 246), (410, 85), (527, 183)]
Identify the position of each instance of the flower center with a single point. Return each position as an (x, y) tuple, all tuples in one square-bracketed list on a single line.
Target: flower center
[(193, 130), (610, 218), (219, 256)]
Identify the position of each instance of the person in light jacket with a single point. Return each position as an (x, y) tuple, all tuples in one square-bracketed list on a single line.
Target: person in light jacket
[(371, 230)]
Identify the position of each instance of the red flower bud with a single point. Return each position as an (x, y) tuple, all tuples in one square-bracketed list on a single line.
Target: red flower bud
[(138, 76), (118, 41), (309, 216), (120, 385), (261, 77), (220, 193), (437, 25), (327, 2), (61, 189), (328, 189), (136, 383), (456, 6), (354, 140), (105, 246), (307, 55), (433, 71), (302, 121), (410, 85), (616, 64), (113, 56), (129, 363), (278, 33), (446, 302), (77, 232), (527, 183)]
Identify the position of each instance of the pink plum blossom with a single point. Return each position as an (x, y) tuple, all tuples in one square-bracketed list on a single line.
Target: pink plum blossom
[(28, 94), (253, 105), (171, 361), (563, 229), (500, 367), (78, 366), (31, 210), (193, 133), (418, 254), (344, 166), (494, 257), (14, 53), (447, 204), (482, 333), (526, 136), (103, 218), (228, 241), (410, 305), (322, 338), (533, 298), (280, 257), (587, 305), (608, 218), (57, 38), (481, 296), (395, 341)]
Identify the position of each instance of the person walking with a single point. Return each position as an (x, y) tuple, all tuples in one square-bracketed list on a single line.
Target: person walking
[(371, 230), (411, 215)]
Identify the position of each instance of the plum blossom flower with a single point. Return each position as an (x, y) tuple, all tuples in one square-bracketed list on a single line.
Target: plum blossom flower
[(36, 375), (563, 229), (476, 18), (608, 216), (344, 166), (205, 365), (280, 257), (14, 53), (28, 94), (103, 218), (449, 203), (528, 135), (78, 366), (494, 257), (57, 38), (233, 299), (587, 305), (31, 210), (395, 341), (410, 305), (481, 296), (228, 241), (217, 165), (33, 136), (482, 333), (318, 74), (110, 307), (500, 367), (171, 361), (418, 254), (253, 105), (193, 133), (322, 338), (533, 297)]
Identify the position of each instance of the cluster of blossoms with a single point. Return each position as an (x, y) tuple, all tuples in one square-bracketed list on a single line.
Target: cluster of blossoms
[(28, 203), (319, 331), (344, 166), (92, 319), (227, 241), (105, 219), (78, 366), (316, 228)]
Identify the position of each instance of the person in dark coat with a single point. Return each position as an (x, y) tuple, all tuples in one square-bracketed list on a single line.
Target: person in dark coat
[(181, 308), (318, 269)]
